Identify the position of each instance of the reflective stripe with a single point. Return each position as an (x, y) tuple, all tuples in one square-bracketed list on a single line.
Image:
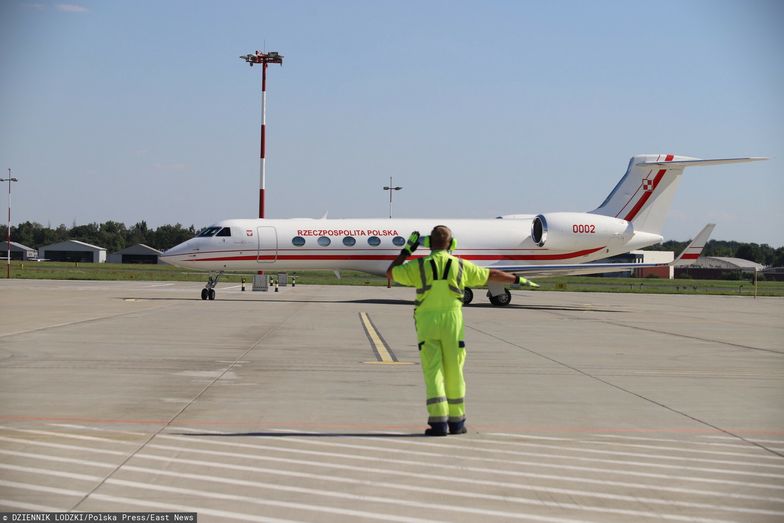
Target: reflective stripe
[(460, 272), (458, 401), (425, 287), (438, 399), (455, 289), (437, 419), (456, 419)]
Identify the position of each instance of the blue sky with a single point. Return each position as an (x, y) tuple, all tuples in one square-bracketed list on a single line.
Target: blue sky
[(142, 110)]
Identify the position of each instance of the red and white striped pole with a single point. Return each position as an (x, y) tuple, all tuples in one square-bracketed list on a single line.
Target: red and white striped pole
[(8, 227), (264, 59)]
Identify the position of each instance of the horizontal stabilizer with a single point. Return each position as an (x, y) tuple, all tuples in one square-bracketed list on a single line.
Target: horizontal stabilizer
[(674, 164)]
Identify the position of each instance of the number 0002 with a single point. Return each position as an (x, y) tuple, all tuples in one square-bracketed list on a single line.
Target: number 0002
[(584, 229)]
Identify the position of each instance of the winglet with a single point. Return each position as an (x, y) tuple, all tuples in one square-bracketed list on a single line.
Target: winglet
[(695, 247)]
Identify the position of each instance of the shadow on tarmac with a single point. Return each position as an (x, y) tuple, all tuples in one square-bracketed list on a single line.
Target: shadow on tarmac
[(381, 301), (303, 435)]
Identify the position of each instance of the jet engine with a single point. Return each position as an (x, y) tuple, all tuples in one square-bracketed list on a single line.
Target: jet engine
[(578, 230)]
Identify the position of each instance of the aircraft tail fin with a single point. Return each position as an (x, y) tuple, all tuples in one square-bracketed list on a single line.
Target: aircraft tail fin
[(695, 247), (644, 194)]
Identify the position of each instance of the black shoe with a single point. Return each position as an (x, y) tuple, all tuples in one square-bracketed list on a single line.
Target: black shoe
[(461, 430), (433, 432)]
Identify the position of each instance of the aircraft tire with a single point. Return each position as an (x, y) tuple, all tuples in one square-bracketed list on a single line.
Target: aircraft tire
[(212, 294), (205, 294), (468, 296), (502, 300)]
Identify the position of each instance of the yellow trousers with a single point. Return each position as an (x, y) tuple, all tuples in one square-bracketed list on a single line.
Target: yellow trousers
[(442, 354)]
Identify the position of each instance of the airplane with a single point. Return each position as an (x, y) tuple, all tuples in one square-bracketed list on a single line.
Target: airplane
[(533, 245)]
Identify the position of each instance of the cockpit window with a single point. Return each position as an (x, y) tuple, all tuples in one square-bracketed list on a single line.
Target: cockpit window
[(226, 231), (209, 231)]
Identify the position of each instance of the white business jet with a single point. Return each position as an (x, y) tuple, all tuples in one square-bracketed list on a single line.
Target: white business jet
[(540, 245)]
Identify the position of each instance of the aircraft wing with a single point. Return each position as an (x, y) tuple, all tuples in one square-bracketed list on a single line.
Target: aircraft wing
[(572, 269)]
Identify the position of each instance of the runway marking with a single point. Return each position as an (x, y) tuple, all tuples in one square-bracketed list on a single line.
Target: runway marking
[(40, 488), (59, 473), (61, 446), (66, 435), (639, 454), (736, 445), (57, 458), (383, 353), (399, 502), (621, 471), (774, 441), (439, 491), (148, 504), (28, 506)]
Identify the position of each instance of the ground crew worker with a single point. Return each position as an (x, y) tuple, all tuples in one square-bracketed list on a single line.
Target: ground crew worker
[(438, 316)]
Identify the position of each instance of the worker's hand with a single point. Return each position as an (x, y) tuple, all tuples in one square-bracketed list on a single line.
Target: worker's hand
[(523, 281), (412, 243)]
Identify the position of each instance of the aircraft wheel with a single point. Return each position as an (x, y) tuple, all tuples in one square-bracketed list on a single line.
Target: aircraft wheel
[(205, 294), (212, 294), (468, 296), (502, 300)]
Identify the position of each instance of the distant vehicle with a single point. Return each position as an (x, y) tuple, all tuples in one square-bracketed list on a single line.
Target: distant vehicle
[(535, 245)]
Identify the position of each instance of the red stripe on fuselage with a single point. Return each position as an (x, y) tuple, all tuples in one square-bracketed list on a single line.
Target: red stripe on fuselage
[(381, 257), (690, 256), (644, 198)]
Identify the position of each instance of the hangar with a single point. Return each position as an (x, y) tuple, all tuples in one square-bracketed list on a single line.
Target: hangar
[(19, 251), (138, 253), (719, 267), (73, 251)]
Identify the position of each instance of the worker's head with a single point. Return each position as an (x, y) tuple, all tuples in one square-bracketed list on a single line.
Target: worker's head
[(440, 238)]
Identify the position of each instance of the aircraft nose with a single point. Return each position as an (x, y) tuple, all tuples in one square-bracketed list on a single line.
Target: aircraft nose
[(175, 255)]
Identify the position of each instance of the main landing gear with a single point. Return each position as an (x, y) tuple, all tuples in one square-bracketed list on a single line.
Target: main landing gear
[(500, 300), (208, 292)]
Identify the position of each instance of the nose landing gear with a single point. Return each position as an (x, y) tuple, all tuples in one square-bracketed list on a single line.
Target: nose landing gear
[(208, 292)]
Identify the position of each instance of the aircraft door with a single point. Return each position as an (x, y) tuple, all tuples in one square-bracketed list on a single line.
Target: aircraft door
[(268, 244)]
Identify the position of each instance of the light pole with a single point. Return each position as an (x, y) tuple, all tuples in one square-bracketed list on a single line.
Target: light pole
[(272, 57), (390, 188), (8, 228)]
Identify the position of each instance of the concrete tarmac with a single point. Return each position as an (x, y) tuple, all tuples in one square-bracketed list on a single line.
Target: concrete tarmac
[(140, 396)]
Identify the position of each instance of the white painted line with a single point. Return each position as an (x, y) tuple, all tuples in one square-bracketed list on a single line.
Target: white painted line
[(57, 458), (29, 506), (445, 478), (634, 454), (775, 441), (622, 470), (739, 445), (529, 436), (437, 492), (66, 435), (61, 446), (33, 470), (623, 463), (148, 504), (754, 452), (85, 427), (159, 285), (41, 488), (399, 502)]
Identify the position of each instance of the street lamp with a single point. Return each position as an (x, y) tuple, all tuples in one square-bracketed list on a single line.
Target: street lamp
[(390, 188), (8, 228)]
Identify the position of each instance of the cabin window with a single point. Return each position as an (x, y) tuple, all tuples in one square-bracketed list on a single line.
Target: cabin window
[(298, 241), (374, 241), (349, 241), (209, 231), (224, 232), (399, 241), (324, 241)]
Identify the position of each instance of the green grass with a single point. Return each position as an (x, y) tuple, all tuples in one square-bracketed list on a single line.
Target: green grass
[(131, 272)]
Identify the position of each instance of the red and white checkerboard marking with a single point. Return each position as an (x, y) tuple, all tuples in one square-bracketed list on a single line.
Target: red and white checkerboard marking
[(647, 185)]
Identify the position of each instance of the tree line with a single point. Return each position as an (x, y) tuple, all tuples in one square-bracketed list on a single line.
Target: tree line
[(115, 236)]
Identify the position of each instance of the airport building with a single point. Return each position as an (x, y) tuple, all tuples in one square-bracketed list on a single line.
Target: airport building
[(719, 268), (19, 251), (73, 251), (138, 253), (641, 256)]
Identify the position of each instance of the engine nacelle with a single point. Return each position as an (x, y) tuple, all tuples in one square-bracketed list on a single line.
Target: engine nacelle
[(577, 230)]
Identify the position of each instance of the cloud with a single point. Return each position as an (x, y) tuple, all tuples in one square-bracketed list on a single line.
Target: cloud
[(71, 8)]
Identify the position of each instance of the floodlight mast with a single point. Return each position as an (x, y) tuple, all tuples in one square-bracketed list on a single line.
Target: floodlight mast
[(391, 188), (8, 228), (272, 57)]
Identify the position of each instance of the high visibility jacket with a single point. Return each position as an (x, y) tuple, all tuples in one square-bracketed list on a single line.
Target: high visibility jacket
[(439, 280)]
